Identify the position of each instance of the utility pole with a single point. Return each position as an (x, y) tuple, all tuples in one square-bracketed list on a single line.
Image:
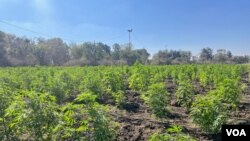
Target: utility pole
[(129, 43)]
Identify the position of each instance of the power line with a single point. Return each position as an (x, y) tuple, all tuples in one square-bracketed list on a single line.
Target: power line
[(25, 29), (49, 36), (29, 30), (32, 31)]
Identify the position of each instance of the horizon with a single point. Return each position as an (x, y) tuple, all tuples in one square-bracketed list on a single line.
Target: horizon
[(158, 25)]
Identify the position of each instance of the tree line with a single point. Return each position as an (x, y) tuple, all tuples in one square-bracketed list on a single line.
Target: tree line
[(22, 51)]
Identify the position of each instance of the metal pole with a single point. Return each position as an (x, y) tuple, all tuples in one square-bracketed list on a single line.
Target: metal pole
[(129, 31)]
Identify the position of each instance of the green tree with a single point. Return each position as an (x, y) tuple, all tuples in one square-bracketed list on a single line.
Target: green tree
[(116, 52), (171, 57), (142, 56), (222, 56), (3, 60), (206, 55), (52, 52)]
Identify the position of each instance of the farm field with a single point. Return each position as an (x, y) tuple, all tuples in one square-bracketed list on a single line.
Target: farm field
[(123, 103)]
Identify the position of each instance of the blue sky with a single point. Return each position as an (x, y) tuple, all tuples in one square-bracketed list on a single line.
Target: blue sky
[(157, 24)]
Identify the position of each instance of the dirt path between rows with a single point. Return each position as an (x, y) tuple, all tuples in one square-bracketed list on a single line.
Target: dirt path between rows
[(137, 123)]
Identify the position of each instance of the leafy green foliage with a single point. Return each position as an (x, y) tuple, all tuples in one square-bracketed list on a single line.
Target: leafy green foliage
[(209, 113), (173, 133), (103, 128), (5, 101), (72, 123), (91, 82), (113, 85), (71, 103), (229, 92), (139, 80), (184, 94), (204, 79), (156, 97), (85, 120), (33, 115)]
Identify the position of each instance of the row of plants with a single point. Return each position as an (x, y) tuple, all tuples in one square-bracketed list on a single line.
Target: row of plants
[(35, 105), (212, 110), (60, 103), (208, 111), (29, 115)]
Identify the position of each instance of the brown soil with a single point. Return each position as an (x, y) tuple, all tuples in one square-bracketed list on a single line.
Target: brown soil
[(137, 122)]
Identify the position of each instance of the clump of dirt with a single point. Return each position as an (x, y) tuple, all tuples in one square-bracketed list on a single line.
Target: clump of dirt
[(171, 86), (132, 102)]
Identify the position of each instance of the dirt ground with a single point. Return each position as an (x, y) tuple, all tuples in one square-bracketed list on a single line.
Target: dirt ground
[(137, 122)]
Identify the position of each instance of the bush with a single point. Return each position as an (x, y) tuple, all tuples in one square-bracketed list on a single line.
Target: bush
[(184, 94), (229, 92), (113, 85), (209, 113), (85, 119), (140, 78), (34, 115), (156, 97)]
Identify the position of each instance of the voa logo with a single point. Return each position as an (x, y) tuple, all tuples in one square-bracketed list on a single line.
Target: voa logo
[(236, 132)]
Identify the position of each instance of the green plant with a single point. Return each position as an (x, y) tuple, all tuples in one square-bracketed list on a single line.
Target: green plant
[(6, 95), (113, 85), (67, 103), (140, 78), (209, 113), (33, 115), (173, 133), (185, 93), (101, 125), (85, 119), (157, 97), (203, 79), (229, 91), (73, 123)]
